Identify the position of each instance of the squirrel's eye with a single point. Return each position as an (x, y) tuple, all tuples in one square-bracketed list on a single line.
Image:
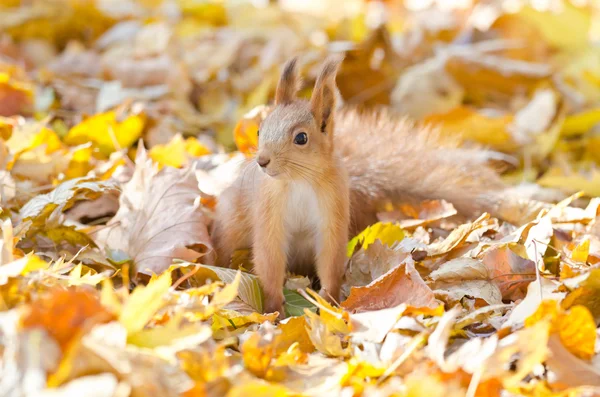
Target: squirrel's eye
[(301, 138)]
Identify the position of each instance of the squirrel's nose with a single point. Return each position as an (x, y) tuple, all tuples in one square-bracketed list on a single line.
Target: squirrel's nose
[(263, 161)]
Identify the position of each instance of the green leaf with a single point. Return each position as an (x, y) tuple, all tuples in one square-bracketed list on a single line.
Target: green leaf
[(296, 303)]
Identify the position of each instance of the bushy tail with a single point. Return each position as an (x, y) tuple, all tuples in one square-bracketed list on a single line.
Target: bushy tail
[(389, 158)]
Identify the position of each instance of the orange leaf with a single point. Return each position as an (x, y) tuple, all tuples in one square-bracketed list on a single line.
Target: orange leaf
[(66, 314), (402, 284), (245, 134)]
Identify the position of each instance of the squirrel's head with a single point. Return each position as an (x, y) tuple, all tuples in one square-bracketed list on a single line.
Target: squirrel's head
[(297, 135)]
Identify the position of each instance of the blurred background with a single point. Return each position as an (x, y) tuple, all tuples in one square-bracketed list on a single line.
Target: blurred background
[(83, 79)]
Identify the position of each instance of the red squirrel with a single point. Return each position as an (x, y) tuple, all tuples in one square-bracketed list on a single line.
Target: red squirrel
[(321, 173)]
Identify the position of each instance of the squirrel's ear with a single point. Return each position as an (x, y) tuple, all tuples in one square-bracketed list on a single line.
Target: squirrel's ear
[(323, 100), (289, 83)]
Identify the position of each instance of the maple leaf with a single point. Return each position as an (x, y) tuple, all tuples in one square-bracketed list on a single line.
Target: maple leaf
[(158, 219)]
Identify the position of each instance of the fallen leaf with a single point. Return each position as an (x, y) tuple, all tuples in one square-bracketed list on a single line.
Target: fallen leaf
[(158, 218), (537, 291), (387, 233), (466, 277), (46, 207), (570, 371), (144, 302), (65, 314), (402, 284), (107, 131), (178, 152)]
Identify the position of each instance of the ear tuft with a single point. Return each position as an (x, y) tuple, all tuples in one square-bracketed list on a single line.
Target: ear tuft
[(289, 83), (330, 68), (323, 100)]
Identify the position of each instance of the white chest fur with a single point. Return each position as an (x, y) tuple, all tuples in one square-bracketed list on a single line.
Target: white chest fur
[(302, 213)]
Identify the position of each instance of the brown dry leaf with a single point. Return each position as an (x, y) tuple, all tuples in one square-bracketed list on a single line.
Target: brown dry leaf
[(459, 235), (16, 93), (369, 264), (537, 291), (424, 214), (402, 284), (466, 277), (158, 219), (509, 271)]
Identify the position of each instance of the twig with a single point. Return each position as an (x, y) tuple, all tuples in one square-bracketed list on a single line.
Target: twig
[(314, 302), (186, 276)]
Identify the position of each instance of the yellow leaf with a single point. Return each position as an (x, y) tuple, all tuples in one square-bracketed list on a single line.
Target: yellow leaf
[(293, 331), (337, 319), (109, 297), (262, 389), (547, 309), (358, 371), (34, 263), (577, 331), (89, 278), (575, 327), (32, 135), (49, 138), (6, 127), (387, 233), (593, 149), (167, 333), (229, 318), (581, 251), (294, 355), (580, 123), (144, 302), (228, 293), (105, 130), (553, 25), (323, 338), (471, 125), (259, 350), (177, 152), (581, 70), (80, 163), (555, 178), (207, 11)]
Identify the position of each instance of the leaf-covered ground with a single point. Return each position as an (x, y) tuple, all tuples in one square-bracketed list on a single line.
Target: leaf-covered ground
[(122, 121)]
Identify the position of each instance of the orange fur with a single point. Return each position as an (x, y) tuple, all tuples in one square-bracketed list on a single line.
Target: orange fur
[(298, 208)]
